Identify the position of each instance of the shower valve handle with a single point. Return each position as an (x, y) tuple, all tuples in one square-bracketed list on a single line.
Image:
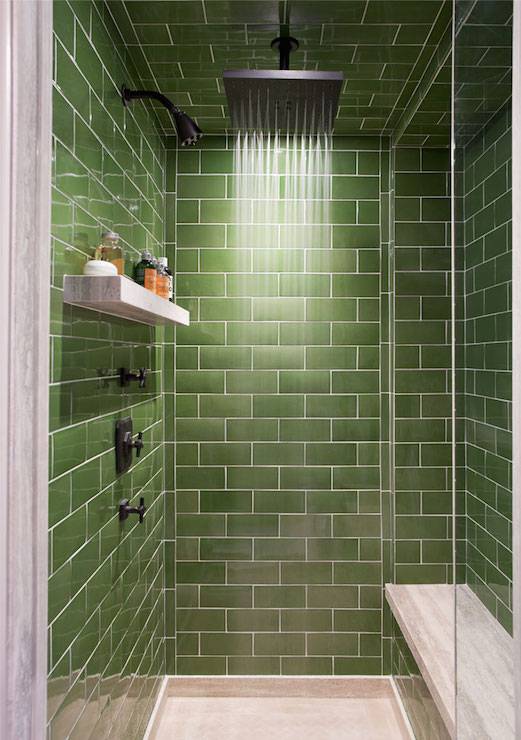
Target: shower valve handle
[(136, 443), (125, 509), (142, 377), (125, 376)]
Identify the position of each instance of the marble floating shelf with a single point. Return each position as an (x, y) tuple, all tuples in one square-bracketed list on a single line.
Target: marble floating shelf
[(117, 295)]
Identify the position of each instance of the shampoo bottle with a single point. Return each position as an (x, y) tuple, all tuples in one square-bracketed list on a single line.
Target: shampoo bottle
[(163, 261), (145, 272), (162, 280)]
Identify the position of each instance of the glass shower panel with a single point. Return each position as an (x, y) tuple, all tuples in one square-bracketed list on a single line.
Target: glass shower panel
[(482, 258)]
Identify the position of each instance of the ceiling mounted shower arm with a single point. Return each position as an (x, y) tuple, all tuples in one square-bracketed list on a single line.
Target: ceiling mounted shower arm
[(188, 132), (284, 45), (299, 101)]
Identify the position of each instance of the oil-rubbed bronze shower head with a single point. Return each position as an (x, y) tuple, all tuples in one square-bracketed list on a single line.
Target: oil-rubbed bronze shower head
[(188, 132), (283, 100)]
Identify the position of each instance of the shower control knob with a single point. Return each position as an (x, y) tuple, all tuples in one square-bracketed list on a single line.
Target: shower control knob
[(142, 377), (125, 509), (137, 443), (125, 376)]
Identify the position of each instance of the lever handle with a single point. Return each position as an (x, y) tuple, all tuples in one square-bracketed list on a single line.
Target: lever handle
[(137, 443), (125, 376), (142, 377), (125, 509), (141, 509)]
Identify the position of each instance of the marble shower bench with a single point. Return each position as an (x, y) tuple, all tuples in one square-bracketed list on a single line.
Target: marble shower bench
[(484, 679)]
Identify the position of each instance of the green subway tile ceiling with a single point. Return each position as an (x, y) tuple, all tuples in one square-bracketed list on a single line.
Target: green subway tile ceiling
[(483, 79), (383, 47), (427, 121), (483, 66)]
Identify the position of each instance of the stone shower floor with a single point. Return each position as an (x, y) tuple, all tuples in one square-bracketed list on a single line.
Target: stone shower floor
[(372, 717)]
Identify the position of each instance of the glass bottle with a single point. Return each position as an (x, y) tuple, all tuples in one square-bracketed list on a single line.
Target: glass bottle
[(110, 250), (145, 272)]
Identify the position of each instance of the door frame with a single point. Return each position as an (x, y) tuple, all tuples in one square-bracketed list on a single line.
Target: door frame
[(516, 354), (25, 180)]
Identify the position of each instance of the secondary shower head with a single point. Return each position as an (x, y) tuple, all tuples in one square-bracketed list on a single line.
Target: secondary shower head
[(188, 132), (283, 100)]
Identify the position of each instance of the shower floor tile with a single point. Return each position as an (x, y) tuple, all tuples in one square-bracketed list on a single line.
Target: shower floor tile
[(289, 718)]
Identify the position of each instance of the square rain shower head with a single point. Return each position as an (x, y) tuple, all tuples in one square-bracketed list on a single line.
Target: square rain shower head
[(292, 101)]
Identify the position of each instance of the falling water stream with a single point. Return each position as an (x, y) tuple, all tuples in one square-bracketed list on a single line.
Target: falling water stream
[(283, 190)]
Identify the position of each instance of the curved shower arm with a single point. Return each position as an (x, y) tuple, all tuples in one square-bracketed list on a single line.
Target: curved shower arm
[(127, 95), (188, 132)]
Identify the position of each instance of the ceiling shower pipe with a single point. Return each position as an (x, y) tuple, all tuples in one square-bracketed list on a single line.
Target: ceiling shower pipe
[(188, 132), (284, 45)]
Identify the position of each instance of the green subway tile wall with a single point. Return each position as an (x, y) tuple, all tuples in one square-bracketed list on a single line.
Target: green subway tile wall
[(421, 419), (171, 409), (422, 362), (487, 204), (106, 621), (279, 469), (277, 506)]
